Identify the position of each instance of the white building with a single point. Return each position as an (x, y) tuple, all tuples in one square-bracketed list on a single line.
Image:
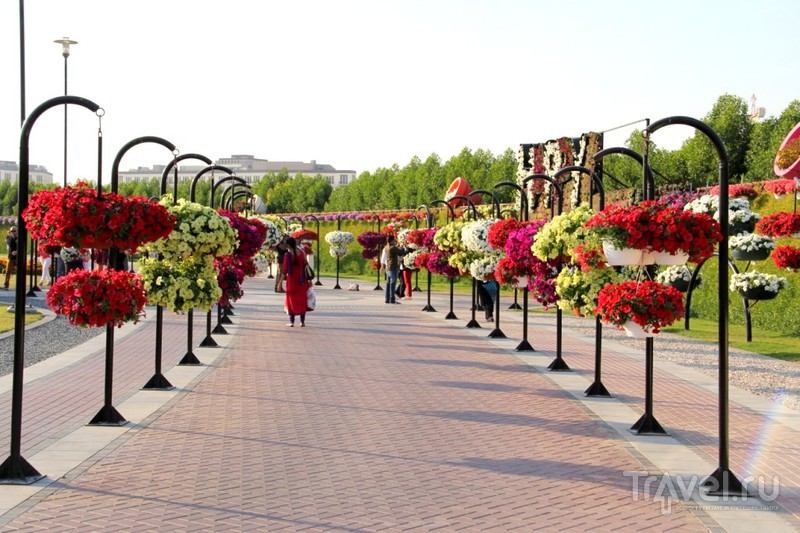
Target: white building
[(9, 170), (248, 168)]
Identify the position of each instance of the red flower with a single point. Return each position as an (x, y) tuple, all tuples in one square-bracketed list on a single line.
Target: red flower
[(779, 225), (649, 304), (780, 187), (97, 298), (372, 242), (500, 230), (738, 190), (251, 236), (231, 272), (305, 235), (787, 257)]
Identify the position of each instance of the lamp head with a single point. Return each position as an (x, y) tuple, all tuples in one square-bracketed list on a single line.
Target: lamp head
[(65, 42)]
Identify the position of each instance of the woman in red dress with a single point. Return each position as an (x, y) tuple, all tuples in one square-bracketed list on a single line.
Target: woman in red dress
[(296, 283)]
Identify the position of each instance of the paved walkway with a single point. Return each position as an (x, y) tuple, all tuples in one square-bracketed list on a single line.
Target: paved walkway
[(384, 418)]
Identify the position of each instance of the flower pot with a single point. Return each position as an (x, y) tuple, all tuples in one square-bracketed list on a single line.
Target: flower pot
[(754, 255), (522, 282), (793, 170), (742, 227), (632, 329), (666, 258), (680, 284), (619, 257), (758, 293)]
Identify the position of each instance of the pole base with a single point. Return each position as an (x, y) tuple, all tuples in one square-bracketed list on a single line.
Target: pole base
[(723, 482), (559, 365), (378, 288), (108, 416), (429, 309), (473, 324), (30, 293), (270, 277), (524, 346), (648, 425), (208, 342), (318, 282), (450, 316), (37, 288), (219, 329), (229, 311), (15, 470), (158, 382), (597, 389), (496, 333), (190, 359), (515, 305), (225, 320), (337, 287), (416, 289)]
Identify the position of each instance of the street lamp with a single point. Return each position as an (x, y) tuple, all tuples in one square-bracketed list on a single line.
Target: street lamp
[(65, 42)]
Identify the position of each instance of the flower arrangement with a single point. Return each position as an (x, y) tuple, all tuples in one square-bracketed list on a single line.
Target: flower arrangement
[(421, 239), (475, 235), (780, 187), (181, 284), (338, 241), (753, 280), (409, 260), (262, 260), (401, 237), (787, 257), (542, 284), (518, 244), (448, 237), (436, 263), (511, 273), (675, 198), (199, 230), (79, 217), (649, 304), (624, 226), (462, 260), (250, 235), (789, 154), (483, 267), (98, 298), (750, 242), (561, 234), (500, 230), (273, 233), (678, 276), (737, 190), (779, 225), (588, 257), (740, 217), (577, 289), (675, 231), (230, 276), (303, 234), (372, 241)]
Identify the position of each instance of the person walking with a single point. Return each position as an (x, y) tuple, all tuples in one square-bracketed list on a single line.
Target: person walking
[(294, 272), (11, 247), (390, 264), (47, 260)]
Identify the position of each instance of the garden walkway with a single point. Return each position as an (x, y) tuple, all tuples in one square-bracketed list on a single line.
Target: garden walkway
[(383, 418)]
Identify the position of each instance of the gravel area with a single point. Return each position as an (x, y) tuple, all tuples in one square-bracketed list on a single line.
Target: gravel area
[(765, 376)]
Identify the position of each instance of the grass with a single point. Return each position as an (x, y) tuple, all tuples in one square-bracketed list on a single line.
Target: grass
[(7, 320), (765, 342)]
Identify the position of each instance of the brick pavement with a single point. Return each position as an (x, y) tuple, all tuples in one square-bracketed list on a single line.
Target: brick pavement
[(382, 418)]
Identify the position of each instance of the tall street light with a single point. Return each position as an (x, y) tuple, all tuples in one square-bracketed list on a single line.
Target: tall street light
[(65, 42)]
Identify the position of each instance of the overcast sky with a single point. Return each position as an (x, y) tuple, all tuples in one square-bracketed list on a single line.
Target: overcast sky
[(362, 84)]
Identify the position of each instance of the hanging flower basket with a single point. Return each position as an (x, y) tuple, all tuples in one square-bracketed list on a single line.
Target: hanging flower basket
[(199, 230), (750, 247), (98, 298), (634, 330), (181, 285), (755, 285), (677, 276), (621, 256), (649, 304), (779, 225), (670, 259), (787, 160), (787, 257), (758, 293)]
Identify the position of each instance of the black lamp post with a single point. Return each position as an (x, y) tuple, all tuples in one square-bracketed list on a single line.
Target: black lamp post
[(338, 228), (722, 481), (452, 216), (496, 333), (228, 202), (473, 323), (558, 364), (524, 345), (65, 43), (378, 274), (15, 469)]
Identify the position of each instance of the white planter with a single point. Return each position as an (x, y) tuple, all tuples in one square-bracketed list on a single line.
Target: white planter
[(620, 257), (522, 282), (632, 329), (648, 258), (666, 258)]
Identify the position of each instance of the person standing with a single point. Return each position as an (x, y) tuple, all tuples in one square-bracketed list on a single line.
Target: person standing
[(11, 247), (294, 272), (47, 259), (406, 272), (281, 254), (390, 263)]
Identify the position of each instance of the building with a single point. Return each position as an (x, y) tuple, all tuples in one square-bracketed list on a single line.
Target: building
[(9, 170), (249, 168)]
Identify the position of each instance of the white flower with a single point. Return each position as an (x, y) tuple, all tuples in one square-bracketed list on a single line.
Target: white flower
[(673, 274), (750, 242), (484, 266), (755, 279), (339, 238), (475, 235)]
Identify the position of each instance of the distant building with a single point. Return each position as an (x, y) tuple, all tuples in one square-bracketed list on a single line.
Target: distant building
[(249, 169), (9, 170)]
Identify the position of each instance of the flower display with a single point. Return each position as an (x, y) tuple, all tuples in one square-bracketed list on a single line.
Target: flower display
[(273, 233), (98, 298), (511, 273), (500, 230), (542, 281), (779, 225), (561, 234), (780, 187), (740, 217), (577, 289), (410, 260), (475, 235), (750, 246), (436, 263), (675, 231), (787, 257), (649, 304), (303, 234), (629, 226), (372, 242), (77, 216), (250, 233), (448, 237), (743, 282), (421, 239), (737, 190), (483, 267), (462, 260), (519, 241), (181, 284), (401, 237), (263, 259), (199, 230), (678, 276), (339, 238), (789, 153), (230, 276)]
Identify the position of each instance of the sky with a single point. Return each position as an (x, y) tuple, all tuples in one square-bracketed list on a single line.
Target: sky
[(363, 84)]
